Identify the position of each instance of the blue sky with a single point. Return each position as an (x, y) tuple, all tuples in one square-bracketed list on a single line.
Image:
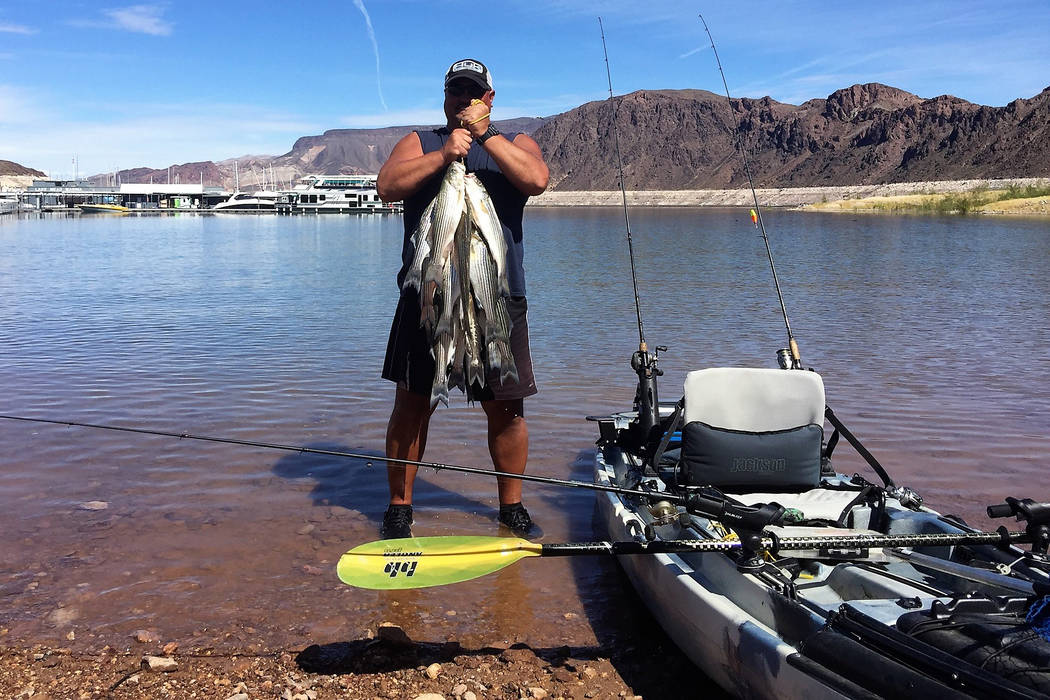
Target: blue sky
[(122, 85)]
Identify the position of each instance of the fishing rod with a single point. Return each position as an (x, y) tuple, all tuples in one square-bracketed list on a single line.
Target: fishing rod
[(795, 361), (369, 459), (708, 502), (643, 362)]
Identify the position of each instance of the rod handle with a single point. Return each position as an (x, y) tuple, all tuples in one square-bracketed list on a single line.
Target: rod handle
[(1003, 510)]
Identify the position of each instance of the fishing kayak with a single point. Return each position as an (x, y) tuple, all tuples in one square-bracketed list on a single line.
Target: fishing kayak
[(839, 587)]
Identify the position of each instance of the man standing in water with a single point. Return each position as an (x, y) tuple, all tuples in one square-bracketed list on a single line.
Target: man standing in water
[(512, 170)]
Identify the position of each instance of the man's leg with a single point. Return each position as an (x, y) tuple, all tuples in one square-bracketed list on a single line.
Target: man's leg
[(406, 438), (508, 444)]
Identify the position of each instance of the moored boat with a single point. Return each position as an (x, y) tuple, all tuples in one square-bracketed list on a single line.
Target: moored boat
[(249, 201), (90, 208), (335, 194)]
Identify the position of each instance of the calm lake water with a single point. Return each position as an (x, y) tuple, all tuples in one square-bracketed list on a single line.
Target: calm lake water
[(932, 336)]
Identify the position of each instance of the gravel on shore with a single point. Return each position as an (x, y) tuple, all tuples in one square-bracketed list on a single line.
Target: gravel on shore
[(389, 665)]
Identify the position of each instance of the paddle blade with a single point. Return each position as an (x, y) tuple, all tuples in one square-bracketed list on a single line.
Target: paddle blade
[(419, 562)]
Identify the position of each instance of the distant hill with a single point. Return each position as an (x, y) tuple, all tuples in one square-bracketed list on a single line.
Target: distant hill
[(8, 167), (684, 139), (864, 134)]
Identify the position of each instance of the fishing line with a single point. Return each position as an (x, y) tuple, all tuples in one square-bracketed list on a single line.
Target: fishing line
[(647, 401), (796, 356)]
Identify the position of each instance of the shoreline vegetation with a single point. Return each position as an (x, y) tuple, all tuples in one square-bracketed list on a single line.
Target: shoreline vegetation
[(1020, 196)]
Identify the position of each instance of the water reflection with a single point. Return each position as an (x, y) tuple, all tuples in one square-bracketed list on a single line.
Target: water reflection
[(930, 334)]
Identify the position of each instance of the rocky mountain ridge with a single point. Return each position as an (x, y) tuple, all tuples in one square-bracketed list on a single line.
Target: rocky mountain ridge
[(8, 167), (864, 134), (685, 139)]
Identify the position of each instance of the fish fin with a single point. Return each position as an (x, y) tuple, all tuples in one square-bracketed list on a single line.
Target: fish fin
[(439, 393), (508, 369)]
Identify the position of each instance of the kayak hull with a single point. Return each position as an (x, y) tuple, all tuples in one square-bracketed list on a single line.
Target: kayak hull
[(737, 652), (823, 623)]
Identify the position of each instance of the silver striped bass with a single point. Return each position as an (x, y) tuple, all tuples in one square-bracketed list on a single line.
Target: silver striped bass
[(490, 230), (460, 271)]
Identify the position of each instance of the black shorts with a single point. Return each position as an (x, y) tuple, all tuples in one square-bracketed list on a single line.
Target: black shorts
[(410, 361)]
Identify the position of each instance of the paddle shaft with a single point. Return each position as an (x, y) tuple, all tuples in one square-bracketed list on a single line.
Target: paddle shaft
[(785, 544), (421, 562)]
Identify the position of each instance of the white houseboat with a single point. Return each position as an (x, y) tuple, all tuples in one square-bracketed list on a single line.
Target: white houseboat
[(339, 194)]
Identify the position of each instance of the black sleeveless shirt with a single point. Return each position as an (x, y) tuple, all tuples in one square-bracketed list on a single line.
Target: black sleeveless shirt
[(508, 200)]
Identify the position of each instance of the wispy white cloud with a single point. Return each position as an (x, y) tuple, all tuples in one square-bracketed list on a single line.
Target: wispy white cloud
[(16, 28), (140, 19), (146, 19), (359, 4)]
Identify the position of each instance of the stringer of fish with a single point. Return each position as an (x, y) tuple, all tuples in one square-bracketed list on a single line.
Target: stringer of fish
[(460, 272)]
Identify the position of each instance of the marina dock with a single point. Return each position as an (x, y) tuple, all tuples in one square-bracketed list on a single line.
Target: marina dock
[(313, 194)]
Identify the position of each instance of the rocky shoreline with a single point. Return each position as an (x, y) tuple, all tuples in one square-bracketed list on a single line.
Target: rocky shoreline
[(768, 197), (388, 665)]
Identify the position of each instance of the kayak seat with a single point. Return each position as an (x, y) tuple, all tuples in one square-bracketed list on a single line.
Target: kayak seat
[(747, 429)]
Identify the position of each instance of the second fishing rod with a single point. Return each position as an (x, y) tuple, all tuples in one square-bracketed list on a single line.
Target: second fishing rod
[(643, 362), (791, 358)]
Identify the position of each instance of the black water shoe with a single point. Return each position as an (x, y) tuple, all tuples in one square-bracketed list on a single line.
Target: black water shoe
[(397, 522), (516, 519)]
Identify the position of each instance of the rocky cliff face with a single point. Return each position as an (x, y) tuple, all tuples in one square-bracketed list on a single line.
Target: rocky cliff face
[(864, 134)]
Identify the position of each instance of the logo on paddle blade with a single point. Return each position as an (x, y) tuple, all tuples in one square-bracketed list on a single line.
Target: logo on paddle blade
[(395, 568)]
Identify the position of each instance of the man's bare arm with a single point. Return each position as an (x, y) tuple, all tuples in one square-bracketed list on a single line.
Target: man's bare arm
[(408, 167), (520, 161)]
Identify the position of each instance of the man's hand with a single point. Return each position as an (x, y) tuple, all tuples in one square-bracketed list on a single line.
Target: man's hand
[(457, 145), (475, 116)]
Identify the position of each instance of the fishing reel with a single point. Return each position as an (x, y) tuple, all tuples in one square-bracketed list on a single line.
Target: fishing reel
[(646, 399), (644, 362)]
